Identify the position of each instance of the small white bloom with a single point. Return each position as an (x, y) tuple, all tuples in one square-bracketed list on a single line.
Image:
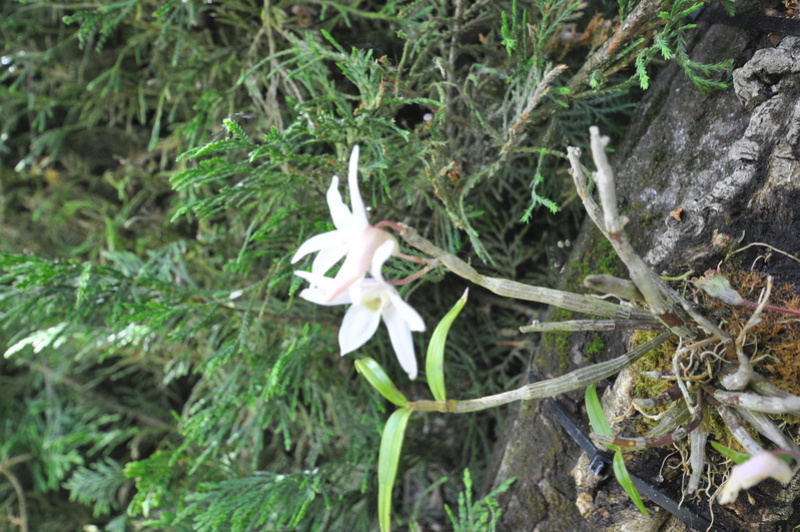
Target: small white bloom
[(354, 238), (371, 299), (760, 466)]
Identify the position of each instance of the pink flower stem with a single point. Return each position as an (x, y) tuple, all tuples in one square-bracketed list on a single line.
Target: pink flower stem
[(399, 228), (431, 264), (769, 307), (412, 258), (392, 225), (413, 277)]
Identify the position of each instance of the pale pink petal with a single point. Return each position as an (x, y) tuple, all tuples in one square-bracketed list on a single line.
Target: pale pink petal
[(400, 335), (760, 466), (315, 295), (359, 212), (358, 326), (340, 213), (352, 271), (360, 257)]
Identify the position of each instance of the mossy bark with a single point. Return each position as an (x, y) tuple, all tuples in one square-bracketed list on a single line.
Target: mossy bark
[(731, 161)]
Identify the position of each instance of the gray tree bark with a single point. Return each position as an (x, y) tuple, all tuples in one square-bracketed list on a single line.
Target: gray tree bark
[(731, 161)]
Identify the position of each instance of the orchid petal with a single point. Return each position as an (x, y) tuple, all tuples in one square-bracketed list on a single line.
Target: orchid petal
[(318, 292), (359, 211), (315, 243), (340, 213), (317, 295), (760, 466), (381, 255), (407, 312), (363, 253), (320, 297), (334, 250), (400, 335), (349, 274), (358, 326)]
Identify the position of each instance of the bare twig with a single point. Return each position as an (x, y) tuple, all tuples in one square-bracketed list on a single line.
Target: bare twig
[(672, 394), (634, 444), (20, 492), (759, 403), (674, 416), (542, 88), (608, 284), (776, 250), (767, 428)]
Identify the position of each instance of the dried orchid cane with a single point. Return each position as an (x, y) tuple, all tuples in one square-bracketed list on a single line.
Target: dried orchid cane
[(767, 428), (697, 456), (635, 444), (576, 380), (739, 379), (663, 302), (734, 424), (504, 287)]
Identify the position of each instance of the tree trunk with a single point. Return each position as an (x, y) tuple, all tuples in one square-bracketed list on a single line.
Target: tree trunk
[(727, 166)]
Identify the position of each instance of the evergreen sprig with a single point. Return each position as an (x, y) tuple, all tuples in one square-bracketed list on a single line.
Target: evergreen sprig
[(159, 164)]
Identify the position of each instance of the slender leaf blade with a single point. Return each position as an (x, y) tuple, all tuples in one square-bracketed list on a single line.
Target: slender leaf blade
[(597, 418), (624, 479), (727, 452), (388, 460), (377, 377), (434, 360)]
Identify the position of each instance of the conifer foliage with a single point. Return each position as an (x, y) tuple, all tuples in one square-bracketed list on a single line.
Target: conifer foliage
[(162, 161)]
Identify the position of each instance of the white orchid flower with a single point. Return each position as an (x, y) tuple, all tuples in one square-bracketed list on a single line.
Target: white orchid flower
[(354, 238), (371, 298), (760, 466)]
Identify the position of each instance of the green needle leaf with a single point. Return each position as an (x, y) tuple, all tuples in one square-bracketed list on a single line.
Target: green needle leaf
[(434, 360), (388, 460), (377, 377)]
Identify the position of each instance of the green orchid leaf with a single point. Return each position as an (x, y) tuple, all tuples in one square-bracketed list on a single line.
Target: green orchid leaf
[(597, 418), (600, 424), (377, 377), (727, 452), (434, 361), (388, 460), (624, 479)]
